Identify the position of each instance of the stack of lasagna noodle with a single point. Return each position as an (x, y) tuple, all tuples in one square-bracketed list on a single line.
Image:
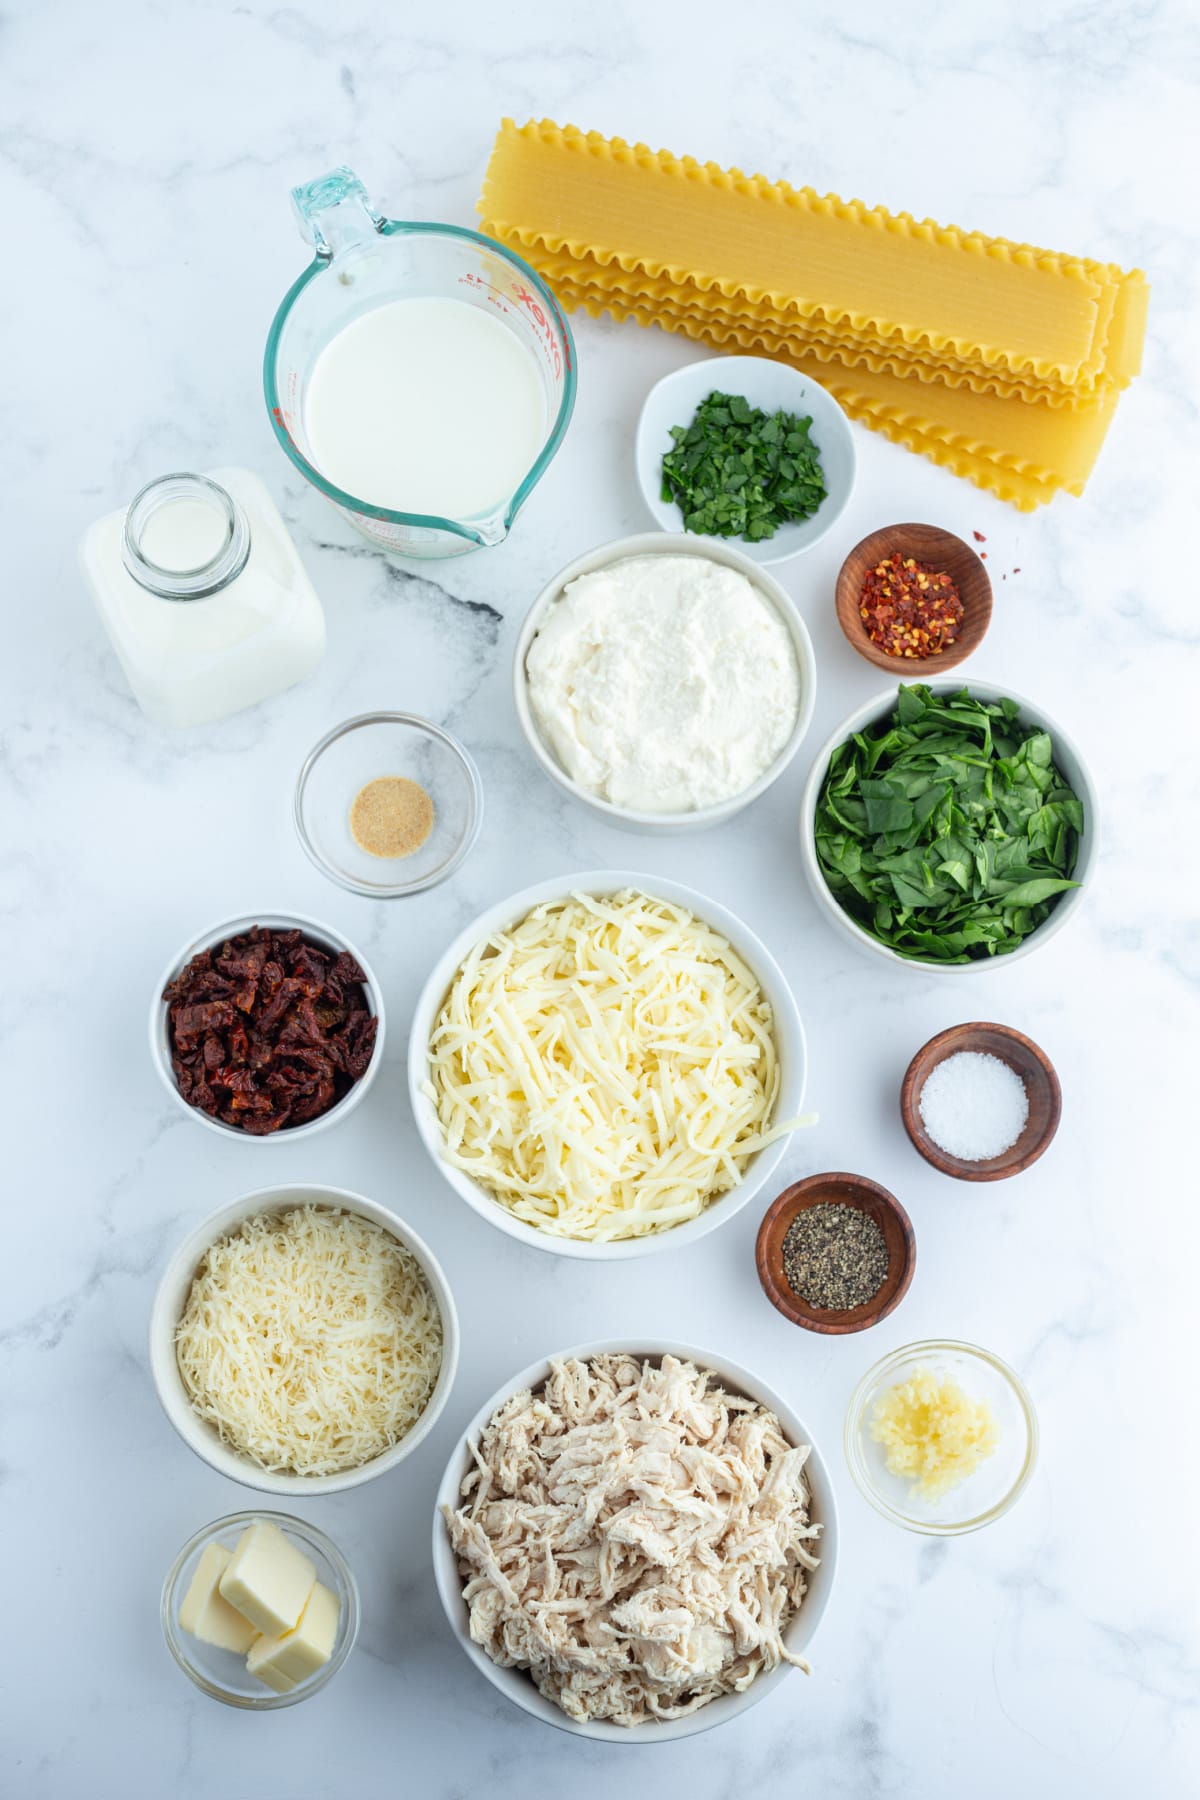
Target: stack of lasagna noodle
[(1000, 361)]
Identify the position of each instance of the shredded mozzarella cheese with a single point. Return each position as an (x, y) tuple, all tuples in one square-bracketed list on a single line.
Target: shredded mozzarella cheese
[(605, 1068), (311, 1340)]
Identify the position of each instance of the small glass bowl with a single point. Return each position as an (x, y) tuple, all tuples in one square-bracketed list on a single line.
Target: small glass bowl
[(222, 1674), (996, 1484), (361, 750)]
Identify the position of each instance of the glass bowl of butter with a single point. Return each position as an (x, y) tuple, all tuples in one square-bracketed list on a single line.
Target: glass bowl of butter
[(260, 1610), (941, 1437)]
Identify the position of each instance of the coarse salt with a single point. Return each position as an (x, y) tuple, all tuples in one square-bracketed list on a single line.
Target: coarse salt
[(973, 1106)]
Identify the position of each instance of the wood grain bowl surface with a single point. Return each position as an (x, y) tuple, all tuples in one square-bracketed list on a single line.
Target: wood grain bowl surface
[(941, 550), (1026, 1059), (845, 1190)]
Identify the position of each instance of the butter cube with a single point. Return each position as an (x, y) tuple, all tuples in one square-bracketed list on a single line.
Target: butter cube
[(268, 1579), (206, 1614), (292, 1656), (274, 1679)]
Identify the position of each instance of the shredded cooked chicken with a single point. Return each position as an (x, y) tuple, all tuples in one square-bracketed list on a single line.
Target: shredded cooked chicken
[(636, 1537)]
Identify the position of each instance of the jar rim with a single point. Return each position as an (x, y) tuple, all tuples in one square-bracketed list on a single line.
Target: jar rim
[(209, 577)]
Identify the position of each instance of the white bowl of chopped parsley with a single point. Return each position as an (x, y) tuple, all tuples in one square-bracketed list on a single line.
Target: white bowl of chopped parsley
[(949, 827), (746, 449)]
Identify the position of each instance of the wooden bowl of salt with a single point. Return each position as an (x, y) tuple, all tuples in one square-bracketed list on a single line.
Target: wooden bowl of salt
[(965, 1114)]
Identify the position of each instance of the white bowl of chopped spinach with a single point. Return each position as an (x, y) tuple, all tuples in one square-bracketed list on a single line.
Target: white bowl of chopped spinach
[(746, 449), (947, 826)]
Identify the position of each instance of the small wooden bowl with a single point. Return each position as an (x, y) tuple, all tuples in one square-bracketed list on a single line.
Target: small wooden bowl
[(841, 1190), (941, 550), (1026, 1059)]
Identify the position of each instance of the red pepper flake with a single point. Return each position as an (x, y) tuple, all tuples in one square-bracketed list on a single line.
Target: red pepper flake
[(979, 537), (983, 555), (909, 608)]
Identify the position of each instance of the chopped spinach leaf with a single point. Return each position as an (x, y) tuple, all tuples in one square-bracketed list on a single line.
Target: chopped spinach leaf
[(946, 831)]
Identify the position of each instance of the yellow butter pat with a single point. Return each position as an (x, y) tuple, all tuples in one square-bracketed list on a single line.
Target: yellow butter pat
[(206, 1614), (290, 1657), (268, 1578)]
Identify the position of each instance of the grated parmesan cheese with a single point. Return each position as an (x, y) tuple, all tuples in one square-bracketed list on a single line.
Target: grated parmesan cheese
[(310, 1340), (933, 1434), (605, 1068)]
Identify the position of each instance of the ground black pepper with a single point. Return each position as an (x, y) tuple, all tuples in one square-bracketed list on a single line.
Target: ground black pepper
[(834, 1256)]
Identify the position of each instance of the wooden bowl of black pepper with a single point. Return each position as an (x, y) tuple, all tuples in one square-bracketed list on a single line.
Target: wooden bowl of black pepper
[(932, 552), (860, 1266)]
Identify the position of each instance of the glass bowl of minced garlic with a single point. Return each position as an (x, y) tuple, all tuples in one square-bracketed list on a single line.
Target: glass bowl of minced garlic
[(941, 1437)]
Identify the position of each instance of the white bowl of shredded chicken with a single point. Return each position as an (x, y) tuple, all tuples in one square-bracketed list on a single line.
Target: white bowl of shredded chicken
[(635, 1544), (303, 1340), (607, 1065)]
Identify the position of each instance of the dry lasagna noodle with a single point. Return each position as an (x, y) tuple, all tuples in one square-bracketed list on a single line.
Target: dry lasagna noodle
[(1001, 362), (762, 323), (1056, 446), (864, 270)]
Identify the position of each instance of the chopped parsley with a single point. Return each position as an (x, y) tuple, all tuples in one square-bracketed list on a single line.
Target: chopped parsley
[(738, 472)]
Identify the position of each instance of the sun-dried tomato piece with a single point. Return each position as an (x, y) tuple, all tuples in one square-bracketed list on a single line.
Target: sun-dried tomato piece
[(191, 1022), (361, 1043), (288, 991), (268, 1029), (347, 970), (272, 977)]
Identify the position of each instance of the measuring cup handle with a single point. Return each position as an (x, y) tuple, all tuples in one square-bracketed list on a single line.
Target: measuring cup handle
[(335, 210)]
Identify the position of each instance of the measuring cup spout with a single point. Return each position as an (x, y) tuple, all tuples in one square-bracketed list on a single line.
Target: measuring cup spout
[(335, 210), (490, 531)]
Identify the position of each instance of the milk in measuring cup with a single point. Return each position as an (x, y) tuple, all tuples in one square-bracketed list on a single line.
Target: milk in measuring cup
[(426, 406)]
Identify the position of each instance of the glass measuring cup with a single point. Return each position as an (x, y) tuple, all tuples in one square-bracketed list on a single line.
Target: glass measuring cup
[(364, 260)]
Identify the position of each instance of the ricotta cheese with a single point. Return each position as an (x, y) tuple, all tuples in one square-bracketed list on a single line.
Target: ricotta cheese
[(664, 683)]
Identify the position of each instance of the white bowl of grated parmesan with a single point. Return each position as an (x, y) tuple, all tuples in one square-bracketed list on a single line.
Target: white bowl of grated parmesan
[(303, 1340), (606, 1065)]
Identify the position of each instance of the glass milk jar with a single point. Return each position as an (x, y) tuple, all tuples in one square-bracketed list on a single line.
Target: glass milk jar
[(204, 597)]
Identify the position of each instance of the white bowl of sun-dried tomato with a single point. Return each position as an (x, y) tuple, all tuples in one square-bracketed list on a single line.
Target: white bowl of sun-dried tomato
[(267, 1027)]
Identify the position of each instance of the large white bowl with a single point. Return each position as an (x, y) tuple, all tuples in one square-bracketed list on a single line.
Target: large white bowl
[(658, 543), (1068, 759), (326, 938), (789, 1047), (771, 386), (171, 1298), (516, 1684)]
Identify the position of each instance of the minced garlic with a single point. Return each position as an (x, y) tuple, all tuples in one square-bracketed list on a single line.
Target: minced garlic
[(933, 1434)]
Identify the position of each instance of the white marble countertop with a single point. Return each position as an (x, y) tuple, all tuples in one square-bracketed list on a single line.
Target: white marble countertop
[(148, 154)]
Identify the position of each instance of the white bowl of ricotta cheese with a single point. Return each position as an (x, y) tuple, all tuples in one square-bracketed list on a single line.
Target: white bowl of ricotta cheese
[(664, 684)]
